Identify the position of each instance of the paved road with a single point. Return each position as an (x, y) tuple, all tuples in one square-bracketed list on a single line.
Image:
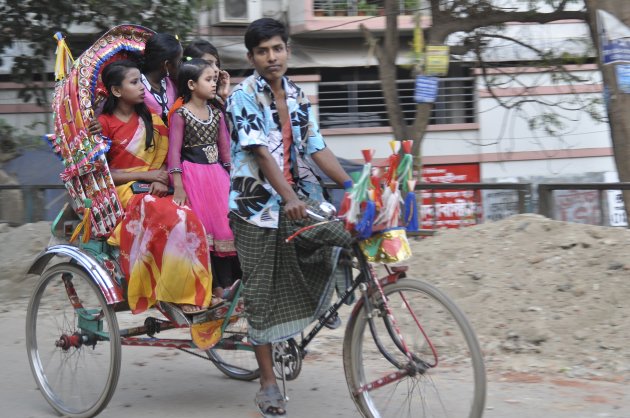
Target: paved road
[(165, 383)]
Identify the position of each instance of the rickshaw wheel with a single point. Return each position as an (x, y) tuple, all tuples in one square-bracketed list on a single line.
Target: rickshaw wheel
[(73, 342)]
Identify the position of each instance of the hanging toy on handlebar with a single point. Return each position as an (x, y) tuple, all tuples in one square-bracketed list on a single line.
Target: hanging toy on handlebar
[(405, 178), (373, 207)]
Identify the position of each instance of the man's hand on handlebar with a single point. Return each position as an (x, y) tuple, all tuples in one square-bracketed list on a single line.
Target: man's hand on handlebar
[(295, 209)]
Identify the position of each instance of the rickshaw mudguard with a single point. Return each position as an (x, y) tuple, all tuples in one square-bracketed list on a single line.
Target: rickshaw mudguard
[(99, 275)]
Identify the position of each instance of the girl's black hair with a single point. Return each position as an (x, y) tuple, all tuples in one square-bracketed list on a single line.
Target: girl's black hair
[(263, 29), (199, 47), (159, 48), (189, 70), (113, 75)]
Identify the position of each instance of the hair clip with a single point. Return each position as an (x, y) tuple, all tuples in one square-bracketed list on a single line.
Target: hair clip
[(187, 58)]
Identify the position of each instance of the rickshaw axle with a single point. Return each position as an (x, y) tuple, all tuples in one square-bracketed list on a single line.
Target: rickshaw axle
[(76, 340)]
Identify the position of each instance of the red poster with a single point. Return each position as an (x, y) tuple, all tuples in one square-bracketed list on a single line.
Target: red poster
[(450, 208)]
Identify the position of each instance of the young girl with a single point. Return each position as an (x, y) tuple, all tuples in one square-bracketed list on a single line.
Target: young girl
[(199, 161), (203, 49), (163, 250), (225, 270)]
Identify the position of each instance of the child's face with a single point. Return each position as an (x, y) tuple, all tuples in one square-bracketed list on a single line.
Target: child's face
[(131, 89), (206, 86), (212, 60)]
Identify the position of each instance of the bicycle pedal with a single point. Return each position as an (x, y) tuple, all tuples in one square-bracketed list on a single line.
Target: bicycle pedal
[(333, 322)]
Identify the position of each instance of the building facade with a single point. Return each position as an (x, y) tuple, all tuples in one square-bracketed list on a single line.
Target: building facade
[(469, 131)]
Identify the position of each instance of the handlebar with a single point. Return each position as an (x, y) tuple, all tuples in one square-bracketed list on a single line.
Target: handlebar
[(328, 209), (315, 216), (329, 215)]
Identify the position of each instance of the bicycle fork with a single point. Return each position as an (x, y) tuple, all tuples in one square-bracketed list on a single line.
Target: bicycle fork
[(414, 365)]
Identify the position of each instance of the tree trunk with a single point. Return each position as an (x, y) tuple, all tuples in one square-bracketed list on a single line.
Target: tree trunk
[(386, 56), (617, 102), (418, 129)]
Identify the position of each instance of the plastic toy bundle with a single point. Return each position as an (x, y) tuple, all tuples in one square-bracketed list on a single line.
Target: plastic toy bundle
[(86, 174), (372, 207), (374, 202)]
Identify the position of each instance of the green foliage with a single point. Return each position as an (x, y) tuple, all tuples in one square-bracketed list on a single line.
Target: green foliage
[(368, 8), (29, 25), (7, 143)]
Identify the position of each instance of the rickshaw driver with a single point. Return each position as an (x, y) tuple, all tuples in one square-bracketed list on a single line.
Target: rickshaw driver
[(274, 131)]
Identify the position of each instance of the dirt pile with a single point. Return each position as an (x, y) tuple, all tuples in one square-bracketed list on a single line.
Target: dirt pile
[(542, 295), (18, 249)]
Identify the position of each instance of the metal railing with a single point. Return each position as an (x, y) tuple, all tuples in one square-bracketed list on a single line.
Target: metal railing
[(547, 203), (37, 207), (354, 104), (359, 7)]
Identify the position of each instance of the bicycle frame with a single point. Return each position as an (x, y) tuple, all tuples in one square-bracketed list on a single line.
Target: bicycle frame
[(364, 278)]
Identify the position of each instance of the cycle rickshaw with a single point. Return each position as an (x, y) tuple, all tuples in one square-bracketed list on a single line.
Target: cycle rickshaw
[(405, 341)]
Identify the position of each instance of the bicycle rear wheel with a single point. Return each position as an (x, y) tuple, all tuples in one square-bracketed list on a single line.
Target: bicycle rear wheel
[(234, 356), (449, 379), (74, 351)]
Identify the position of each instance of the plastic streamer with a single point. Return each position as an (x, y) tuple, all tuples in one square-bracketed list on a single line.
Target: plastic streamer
[(365, 226), (411, 208), (404, 171), (359, 192), (375, 201), (64, 60), (84, 225)]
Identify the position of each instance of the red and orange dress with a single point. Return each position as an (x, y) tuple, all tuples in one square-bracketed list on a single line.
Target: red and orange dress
[(163, 249)]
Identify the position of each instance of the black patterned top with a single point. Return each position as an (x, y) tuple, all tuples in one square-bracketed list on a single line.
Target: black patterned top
[(200, 137)]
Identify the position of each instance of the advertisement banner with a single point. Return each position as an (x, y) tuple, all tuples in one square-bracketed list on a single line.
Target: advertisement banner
[(577, 206), (616, 210), (450, 208), (437, 59), (614, 38), (426, 89), (499, 204)]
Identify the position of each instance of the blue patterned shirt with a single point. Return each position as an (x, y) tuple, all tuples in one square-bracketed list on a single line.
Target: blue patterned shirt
[(254, 121)]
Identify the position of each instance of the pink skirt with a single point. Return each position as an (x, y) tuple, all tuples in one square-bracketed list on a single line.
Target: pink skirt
[(208, 187)]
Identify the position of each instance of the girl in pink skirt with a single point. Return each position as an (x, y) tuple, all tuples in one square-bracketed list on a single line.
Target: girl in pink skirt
[(199, 157)]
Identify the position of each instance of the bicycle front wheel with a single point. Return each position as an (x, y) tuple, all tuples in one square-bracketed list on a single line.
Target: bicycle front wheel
[(234, 355), (73, 342), (445, 376)]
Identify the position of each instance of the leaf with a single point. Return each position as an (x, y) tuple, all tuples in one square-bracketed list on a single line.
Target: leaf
[(252, 195)]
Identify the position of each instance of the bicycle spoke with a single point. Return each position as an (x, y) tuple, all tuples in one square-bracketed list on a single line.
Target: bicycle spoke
[(75, 370), (434, 332)]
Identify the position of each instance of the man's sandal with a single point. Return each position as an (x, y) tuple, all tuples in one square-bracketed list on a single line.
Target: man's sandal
[(271, 403)]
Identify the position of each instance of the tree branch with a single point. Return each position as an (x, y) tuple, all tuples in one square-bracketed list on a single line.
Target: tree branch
[(482, 15)]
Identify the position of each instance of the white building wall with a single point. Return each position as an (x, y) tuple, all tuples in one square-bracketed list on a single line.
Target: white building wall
[(509, 130), (549, 169)]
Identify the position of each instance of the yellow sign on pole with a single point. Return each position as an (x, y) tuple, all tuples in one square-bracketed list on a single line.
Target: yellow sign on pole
[(437, 60)]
